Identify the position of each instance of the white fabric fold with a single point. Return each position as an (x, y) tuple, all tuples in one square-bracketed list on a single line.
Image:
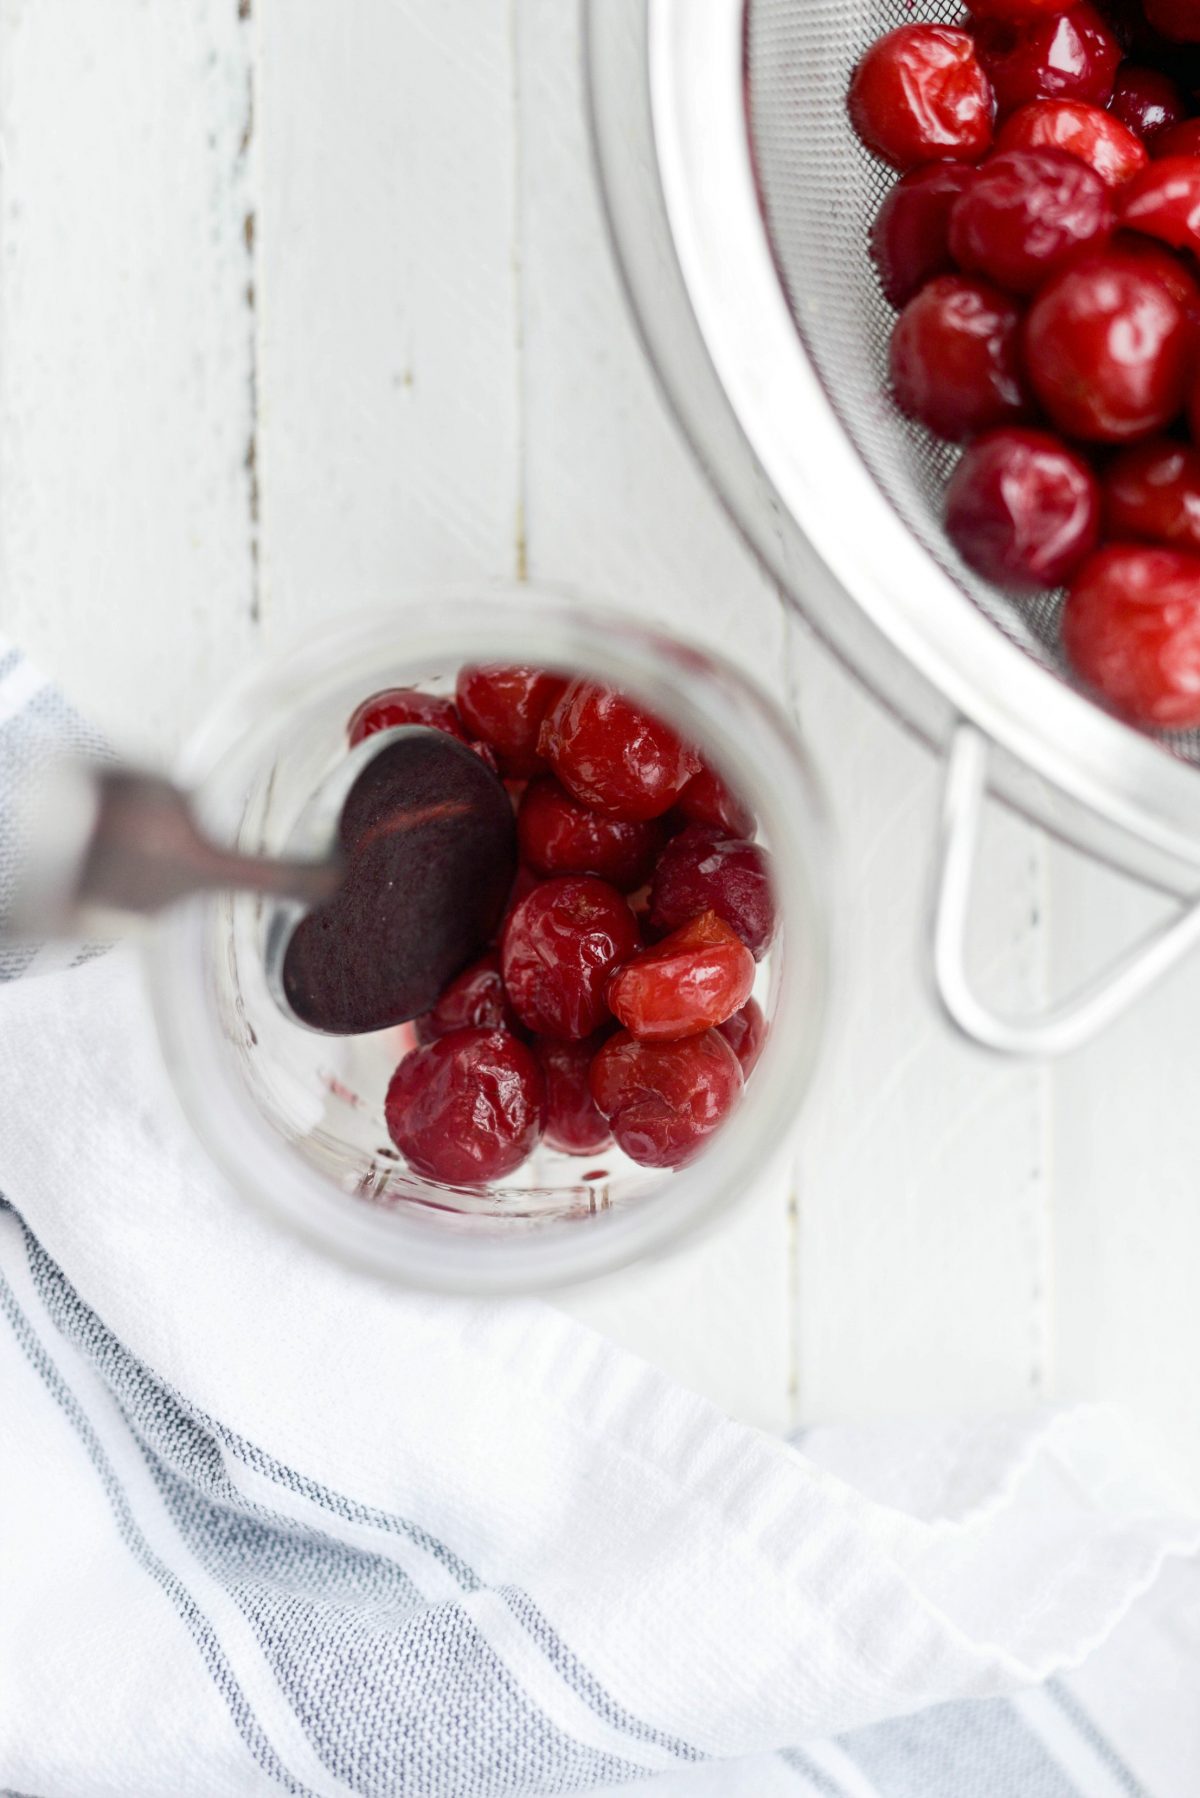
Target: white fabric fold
[(600, 1566)]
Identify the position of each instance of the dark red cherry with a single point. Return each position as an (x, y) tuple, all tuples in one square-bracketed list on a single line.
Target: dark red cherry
[(560, 945), (614, 756), (700, 871), (505, 706), (559, 835), (664, 1100), (467, 1108), (574, 1125)]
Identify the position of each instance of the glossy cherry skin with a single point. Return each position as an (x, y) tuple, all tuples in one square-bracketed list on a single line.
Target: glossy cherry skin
[(700, 871), (1025, 214), (1062, 56), (613, 756), (1108, 350), (467, 1108), (474, 999), (404, 705), (1152, 491), (707, 799), (1163, 201), (558, 835), (1016, 9), (664, 1100), (1131, 629), (746, 1034), (573, 1124), (1165, 267), (1148, 101), (1088, 132), (1179, 140), (919, 94), (505, 706), (559, 947), (1022, 508), (694, 978), (954, 359), (910, 238), (1177, 19)]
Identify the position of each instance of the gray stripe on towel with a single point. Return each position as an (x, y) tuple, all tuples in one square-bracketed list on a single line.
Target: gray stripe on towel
[(975, 1746)]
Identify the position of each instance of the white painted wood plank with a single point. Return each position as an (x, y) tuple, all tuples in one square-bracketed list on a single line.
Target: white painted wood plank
[(614, 505), (1127, 1175), (921, 1282), (614, 501), (125, 354), (387, 371)]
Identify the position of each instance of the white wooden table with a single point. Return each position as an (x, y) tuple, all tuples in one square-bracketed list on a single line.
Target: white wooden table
[(302, 305)]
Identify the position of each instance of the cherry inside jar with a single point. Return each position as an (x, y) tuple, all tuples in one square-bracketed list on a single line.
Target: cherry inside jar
[(610, 1007)]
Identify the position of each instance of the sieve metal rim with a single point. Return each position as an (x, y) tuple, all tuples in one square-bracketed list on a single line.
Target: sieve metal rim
[(822, 525)]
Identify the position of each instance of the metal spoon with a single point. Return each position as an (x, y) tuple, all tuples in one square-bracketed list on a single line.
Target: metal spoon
[(418, 889)]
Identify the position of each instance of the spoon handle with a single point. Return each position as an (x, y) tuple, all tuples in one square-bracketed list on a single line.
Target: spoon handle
[(120, 840)]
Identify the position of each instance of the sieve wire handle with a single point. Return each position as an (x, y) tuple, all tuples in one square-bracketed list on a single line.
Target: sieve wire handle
[(1074, 1021)]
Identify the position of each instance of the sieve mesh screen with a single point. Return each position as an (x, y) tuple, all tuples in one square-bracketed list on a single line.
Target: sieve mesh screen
[(820, 191)]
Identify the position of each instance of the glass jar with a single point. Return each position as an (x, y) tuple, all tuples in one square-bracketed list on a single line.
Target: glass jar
[(296, 1119)]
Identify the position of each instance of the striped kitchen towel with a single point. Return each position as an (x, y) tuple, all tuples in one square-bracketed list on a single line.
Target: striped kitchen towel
[(36, 725), (268, 1524)]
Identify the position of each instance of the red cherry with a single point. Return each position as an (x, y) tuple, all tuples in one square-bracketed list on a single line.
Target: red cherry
[(703, 871), (746, 1034), (1022, 508), (473, 999), (558, 835), (1098, 139), (574, 1126), (1163, 201), (467, 1108), (1148, 101), (612, 756), (954, 360), (404, 705), (1108, 349), (1165, 267), (505, 706), (696, 977), (1179, 140), (559, 947), (1025, 214), (1177, 19), (919, 94), (1016, 9), (1152, 490), (1131, 629), (1061, 56), (708, 800), (910, 239), (664, 1100)]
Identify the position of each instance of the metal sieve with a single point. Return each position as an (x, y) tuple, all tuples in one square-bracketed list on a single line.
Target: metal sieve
[(740, 201)]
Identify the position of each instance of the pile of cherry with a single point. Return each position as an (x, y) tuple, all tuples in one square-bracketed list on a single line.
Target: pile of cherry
[(616, 1002), (1040, 247)]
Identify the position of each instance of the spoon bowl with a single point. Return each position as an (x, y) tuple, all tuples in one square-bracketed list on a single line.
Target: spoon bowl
[(427, 837)]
